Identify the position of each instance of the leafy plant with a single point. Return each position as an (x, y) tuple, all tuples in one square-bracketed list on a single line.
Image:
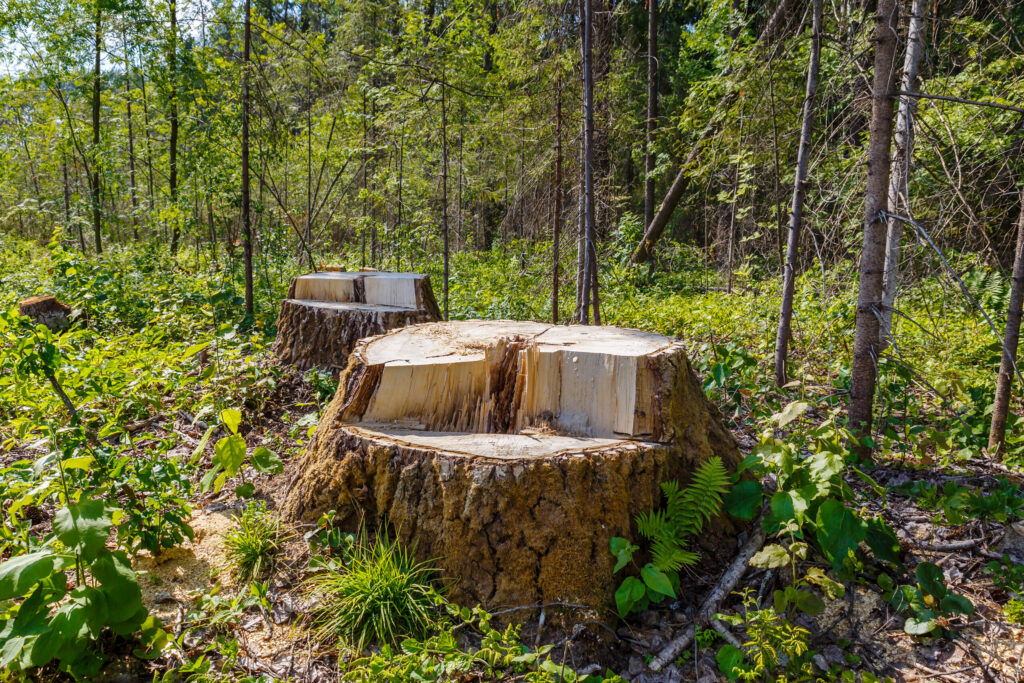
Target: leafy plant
[(252, 545), (381, 596), (772, 643), (230, 454), (44, 617), (668, 530), (929, 603), (440, 657)]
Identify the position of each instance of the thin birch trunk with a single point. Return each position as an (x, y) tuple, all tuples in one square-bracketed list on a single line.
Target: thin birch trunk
[(903, 148)]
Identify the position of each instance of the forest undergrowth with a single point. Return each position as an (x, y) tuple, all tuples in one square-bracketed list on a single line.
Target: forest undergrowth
[(159, 426)]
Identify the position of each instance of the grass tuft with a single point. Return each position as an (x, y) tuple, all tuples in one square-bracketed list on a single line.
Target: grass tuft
[(380, 597), (253, 544)]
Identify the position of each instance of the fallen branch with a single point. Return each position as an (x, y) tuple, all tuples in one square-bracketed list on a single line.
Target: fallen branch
[(725, 585)]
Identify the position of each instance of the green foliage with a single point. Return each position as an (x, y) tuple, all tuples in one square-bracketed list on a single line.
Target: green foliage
[(230, 454), (772, 643), (440, 657), (379, 597), (958, 504), (929, 604), (44, 618), (253, 544), (669, 529), (1007, 574)]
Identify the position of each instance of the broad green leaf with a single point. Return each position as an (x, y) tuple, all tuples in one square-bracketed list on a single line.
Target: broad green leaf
[(82, 462), (232, 419), (628, 594), (245, 490), (770, 557), (788, 505), (118, 582), (623, 551), (957, 604), (931, 580), (201, 446), (882, 541), (657, 581), (790, 413), (918, 627), (729, 659), (229, 453), (19, 574), (84, 526), (809, 603), (839, 531), (744, 499), (266, 461)]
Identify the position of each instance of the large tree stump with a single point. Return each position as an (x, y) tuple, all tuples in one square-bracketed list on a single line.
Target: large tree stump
[(510, 452), (326, 313), (47, 310)]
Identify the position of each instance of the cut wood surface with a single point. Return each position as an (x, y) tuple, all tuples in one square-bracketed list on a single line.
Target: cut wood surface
[(326, 313), (510, 452)]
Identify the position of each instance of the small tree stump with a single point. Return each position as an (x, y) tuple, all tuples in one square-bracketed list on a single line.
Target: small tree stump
[(510, 452), (326, 313), (47, 310)]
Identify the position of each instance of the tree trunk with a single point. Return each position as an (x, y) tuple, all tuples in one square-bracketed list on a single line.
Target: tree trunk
[(652, 108), (131, 141), (246, 224), (325, 314), (799, 192), (864, 369), (903, 148), (1011, 338), (444, 186), (172, 119), (590, 278), (511, 451), (94, 184), (557, 219)]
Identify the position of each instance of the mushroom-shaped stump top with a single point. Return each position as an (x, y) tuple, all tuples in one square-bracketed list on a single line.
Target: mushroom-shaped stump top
[(326, 313), (510, 453)]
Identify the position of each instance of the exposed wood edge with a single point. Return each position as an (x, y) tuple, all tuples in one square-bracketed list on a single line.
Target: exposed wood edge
[(711, 603)]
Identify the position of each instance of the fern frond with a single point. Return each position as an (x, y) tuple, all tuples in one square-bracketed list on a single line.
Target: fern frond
[(702, 499)]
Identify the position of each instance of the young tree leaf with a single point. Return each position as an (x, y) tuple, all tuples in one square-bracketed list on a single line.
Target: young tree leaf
[(729, 658), (628, 594), (790, 413), (84, 526), (918, 627), (770, 557), (232, 419), (744, 499), (623, 551), (657, 581), (839, 531), (229, 453), (19, 574), (266, 461)]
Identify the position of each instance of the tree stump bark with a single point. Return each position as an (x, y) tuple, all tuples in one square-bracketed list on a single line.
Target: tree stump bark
[(510, 453), (326, 313), (47, 310)]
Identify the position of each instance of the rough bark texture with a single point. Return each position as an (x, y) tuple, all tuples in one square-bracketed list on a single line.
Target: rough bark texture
[(325, 314), (876, 194), (522, 462), (47, 310), (322, 334)]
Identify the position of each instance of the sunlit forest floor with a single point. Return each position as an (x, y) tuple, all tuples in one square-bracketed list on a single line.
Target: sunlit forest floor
[(158, 354)]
